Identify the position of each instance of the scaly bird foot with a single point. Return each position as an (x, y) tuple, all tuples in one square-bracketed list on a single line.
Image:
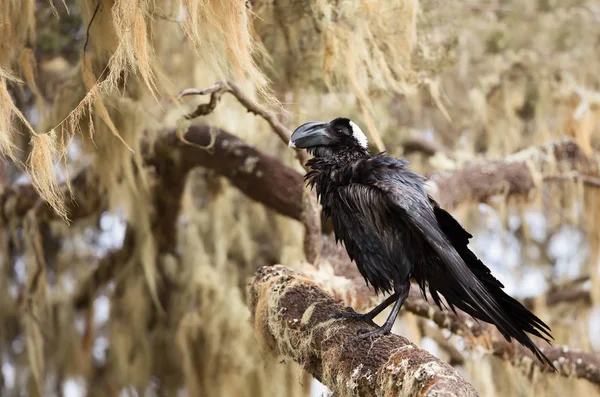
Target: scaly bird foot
[(371, 334), (350, 313)]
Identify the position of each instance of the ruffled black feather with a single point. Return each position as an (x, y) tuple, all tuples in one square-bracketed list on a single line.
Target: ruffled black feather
[(394, 231)]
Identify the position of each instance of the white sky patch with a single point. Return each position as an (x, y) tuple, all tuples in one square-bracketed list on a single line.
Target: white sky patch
[(74, 387), (20, 270), (538, 225), (99, 349), (359, 135), (594, 327), (430, 345), (9, 374), (101, 310), (567, 247), (532, 283), (112, 232), (317, 389)]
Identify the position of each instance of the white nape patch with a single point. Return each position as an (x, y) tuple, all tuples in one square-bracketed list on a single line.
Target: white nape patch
[(359, 135)]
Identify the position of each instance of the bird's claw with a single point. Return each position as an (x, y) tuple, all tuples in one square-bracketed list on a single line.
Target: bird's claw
[(354, 315), (348, 313), (369, 333)]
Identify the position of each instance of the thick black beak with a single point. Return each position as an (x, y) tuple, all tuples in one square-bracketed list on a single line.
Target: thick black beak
[(309, 135)]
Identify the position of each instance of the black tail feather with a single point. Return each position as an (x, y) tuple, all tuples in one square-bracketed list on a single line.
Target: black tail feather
[(477, 292)]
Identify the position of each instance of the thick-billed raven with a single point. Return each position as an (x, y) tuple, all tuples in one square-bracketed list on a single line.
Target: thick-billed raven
[(395, 231)]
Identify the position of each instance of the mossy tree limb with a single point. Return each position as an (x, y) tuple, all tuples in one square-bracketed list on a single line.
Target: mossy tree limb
[(344, 282), (517, 175), (266, 179), (292, 317)]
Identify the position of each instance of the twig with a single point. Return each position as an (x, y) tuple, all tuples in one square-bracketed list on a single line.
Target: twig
[(87, 32), (221, 87), (215, 92), (311, 218), (587, 179)]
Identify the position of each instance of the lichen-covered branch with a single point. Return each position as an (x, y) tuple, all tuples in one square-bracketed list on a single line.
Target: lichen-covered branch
[(569, 362), (342, 280), (266, 179), (292, 317), (105, 271), (17, 200), (568, 295), (261, 177), (514, 176), (221, 87)]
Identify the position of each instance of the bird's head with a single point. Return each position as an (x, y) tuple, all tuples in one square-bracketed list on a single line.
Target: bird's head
[(338, 134)]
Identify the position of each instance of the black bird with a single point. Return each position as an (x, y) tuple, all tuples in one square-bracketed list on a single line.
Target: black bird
[(395, 231)]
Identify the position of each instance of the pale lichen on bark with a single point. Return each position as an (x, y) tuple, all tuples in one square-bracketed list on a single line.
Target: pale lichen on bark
[(292, 317)]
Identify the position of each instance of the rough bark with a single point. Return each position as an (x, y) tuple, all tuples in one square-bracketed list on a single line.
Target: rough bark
[(423, 146), (292, 317), (266, 179), (261, 177), (344, 282), (512, 176)]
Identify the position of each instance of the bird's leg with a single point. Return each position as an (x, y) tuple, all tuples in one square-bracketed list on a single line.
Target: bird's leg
[(401, 294), (369, 316)]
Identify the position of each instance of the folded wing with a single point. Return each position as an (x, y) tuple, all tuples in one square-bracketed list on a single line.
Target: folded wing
[(451, 269)]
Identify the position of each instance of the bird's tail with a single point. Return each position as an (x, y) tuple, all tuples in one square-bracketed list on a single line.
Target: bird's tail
[(474, 290)]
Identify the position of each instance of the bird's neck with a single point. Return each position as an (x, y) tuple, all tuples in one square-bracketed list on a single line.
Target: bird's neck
[(326, 159), (329, 169)]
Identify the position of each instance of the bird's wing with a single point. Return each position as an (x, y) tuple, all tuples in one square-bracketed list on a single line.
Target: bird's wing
[(450, 268), (363, 219), (459, 238)]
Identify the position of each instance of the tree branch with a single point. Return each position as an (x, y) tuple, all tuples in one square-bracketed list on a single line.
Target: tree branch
[(512, 176), (105, 271), (569, 362), (311, 216), (261, 177), (566, 295), (339, 277), (424, 146), (292, 317), (17, 200), (221, 87), (266, 179)]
